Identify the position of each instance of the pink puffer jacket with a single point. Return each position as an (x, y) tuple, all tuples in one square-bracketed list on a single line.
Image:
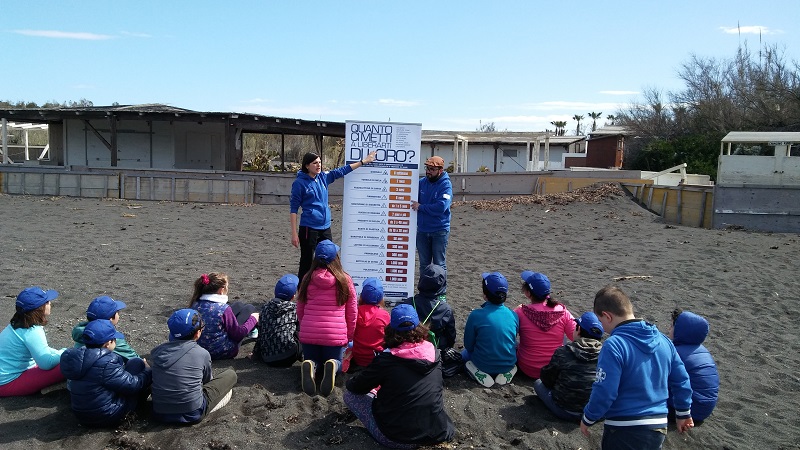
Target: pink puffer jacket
[(322, 320)]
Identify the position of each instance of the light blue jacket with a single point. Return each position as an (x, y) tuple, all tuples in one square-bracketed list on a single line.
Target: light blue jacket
[(490, 337), (24, 348), (311, 194)]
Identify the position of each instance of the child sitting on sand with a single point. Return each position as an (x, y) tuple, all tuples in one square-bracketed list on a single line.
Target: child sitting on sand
[(371, 323), (103, 388), (226, 325), (326, 307), (543, 323), (27, 363), (105, 307), (432, 307), (688, 332), (184, 390), (566, 382), (278, 343), (408, 410), (490, 335)]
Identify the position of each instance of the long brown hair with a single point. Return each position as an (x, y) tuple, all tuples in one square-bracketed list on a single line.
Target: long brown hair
[(335, 268), (27, 319), (208, 284)]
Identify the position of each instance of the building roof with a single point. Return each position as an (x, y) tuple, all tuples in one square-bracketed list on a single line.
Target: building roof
[(505, 137), (760, 137), (609, 130), (156, 111)]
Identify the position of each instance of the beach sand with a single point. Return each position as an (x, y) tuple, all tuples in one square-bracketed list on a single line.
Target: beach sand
[(149, 253)]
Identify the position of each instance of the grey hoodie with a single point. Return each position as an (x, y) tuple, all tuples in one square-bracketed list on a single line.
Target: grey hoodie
[(180, 368)]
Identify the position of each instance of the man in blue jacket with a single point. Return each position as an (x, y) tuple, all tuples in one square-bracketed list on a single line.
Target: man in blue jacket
[(433, 214), (637, 370)]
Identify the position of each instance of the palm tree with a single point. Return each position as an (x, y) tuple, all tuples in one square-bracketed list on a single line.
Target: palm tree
[(578, 119), (612, 118), (594, 117)]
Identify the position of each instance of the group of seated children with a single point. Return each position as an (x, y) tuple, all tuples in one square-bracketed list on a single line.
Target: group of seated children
[(402, 356)]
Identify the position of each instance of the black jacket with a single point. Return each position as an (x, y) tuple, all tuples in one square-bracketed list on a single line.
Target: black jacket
[(409, 407)]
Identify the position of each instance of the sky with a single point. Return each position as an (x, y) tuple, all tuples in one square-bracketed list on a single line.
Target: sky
[(449, 65)]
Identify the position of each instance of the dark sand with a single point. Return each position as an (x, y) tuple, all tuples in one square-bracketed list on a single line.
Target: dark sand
[(148, 254)]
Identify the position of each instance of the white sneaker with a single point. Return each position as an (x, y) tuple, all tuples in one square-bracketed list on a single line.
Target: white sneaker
[(223, 402), (476, 374), (505, 378), (253, 334)]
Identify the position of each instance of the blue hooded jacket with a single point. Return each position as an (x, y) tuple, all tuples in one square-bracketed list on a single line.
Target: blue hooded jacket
[(102, 392), (689, 332), (636, 370), (311, 194), (434, 204)]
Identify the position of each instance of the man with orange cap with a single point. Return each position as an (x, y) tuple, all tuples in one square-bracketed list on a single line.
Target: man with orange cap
[(433, 213)]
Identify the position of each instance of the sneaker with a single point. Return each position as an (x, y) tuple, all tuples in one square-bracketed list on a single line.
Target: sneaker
[(329, 377), (307, 371), (222, 402), (253, 334), (476, 374), (505, 378)]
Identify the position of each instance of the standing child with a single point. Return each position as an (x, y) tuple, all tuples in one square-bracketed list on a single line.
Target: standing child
[(27, 363), (371, 323), (543, 323), (184, 389), (408, 410), (490, 335), (637, 368), (226, 325), (688, 332), (566, 382), (278, 343), (326, 307), (103, 389), (105, 307)]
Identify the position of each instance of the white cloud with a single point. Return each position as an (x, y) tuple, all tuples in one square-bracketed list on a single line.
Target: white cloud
[(620, 92), (749, 29), (393, 102), (64, 35)]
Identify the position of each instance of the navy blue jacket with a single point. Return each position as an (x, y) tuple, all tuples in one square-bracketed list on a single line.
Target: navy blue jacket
[(689, 332), (101, 390)]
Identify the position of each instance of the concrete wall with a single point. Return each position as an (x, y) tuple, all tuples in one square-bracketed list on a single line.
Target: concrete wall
[(510, 157), (759, 208), (682, 205), (758, 170)]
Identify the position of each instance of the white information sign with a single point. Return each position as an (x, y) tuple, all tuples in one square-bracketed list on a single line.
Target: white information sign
[(379, 228)]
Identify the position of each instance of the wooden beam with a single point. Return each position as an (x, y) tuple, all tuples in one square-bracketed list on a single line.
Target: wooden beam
[(97, 133), (114, 150)]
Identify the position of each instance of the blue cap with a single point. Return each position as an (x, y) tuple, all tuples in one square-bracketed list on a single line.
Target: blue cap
[(34, 297), (183, 323), (404, 318), (326, 251), (591, 325), (537, 282), (495, 282), (103, 307), (286, 287), (372, 291), (100, 331)]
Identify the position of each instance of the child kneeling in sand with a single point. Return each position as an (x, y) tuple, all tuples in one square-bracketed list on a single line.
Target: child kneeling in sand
[(408, 410), (278, 344), (103, 388), (490, 336), (326, 307), (688, 332), (371, 323), (105, 307), (184, 389)]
